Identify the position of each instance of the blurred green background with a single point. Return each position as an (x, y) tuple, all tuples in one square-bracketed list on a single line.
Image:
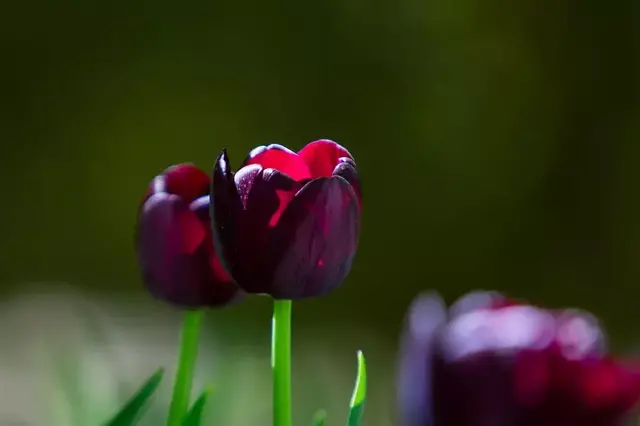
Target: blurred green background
[(497, 143)]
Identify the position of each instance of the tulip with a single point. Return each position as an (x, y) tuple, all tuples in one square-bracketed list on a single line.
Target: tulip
[(174, 242), (494, 361), (286, 224)]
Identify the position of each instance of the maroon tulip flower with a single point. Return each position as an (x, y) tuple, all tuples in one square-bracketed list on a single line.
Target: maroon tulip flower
[(287, 224), (174, 242), (491, 361)]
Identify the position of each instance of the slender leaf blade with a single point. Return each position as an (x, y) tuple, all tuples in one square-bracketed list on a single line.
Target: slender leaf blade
[(319, 418), (356, 408), (130, 413), (195, 413)]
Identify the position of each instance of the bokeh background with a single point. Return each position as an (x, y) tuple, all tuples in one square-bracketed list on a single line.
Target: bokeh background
[(497, 143)]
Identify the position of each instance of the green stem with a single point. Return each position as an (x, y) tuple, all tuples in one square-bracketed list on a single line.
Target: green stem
[(190, 337), (281, 362)]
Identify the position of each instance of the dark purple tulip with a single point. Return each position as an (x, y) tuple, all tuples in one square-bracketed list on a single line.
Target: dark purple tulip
[(287, 224), (174, 242), (492, 361)]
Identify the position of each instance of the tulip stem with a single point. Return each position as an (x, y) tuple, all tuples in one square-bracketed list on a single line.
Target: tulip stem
[(281, 362), (189, 339)]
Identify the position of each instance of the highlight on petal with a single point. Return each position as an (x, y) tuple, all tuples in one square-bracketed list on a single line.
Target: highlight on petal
[(322, 156), (244, 179), (579, 335), (280, 158), (508, 329), (346, 169), (314, 242), (475, 300)]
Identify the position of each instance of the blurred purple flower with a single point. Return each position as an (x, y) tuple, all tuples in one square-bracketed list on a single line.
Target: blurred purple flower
[(493, 361)]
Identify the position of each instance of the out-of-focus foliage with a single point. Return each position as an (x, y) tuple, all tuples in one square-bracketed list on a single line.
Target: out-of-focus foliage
[(79, 359)]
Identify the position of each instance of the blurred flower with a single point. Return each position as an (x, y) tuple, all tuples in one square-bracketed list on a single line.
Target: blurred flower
[(492, 361), (287, 224), (174, 243)]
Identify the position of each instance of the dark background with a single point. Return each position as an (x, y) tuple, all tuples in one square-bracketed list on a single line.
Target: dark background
[(497, 143)]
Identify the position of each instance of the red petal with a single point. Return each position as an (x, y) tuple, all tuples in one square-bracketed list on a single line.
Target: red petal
[(185, 180), (201, 208), (171, 217), (280, 158), (607, 384), (174, 249), (322, 156)]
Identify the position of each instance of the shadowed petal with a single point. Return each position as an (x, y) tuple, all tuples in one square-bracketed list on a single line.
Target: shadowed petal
[(265, 195), (200, 207), (226, 208), (313, 245), (322, 156), (280, 158), (174, 252)]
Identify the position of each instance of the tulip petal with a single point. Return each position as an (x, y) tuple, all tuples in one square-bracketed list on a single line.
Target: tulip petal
[(280, 158), (473, 301), (185, 180), (265, 198), (426, 315), (346, 169), (322, 156), (225, 209), (201, 209), (579, 334), (313, 245), (174, 254), (245, 208)]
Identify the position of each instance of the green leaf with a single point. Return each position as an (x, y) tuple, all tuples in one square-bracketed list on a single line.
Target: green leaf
[(130, 413), (194, 415), (359, 393), (319, 418)]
